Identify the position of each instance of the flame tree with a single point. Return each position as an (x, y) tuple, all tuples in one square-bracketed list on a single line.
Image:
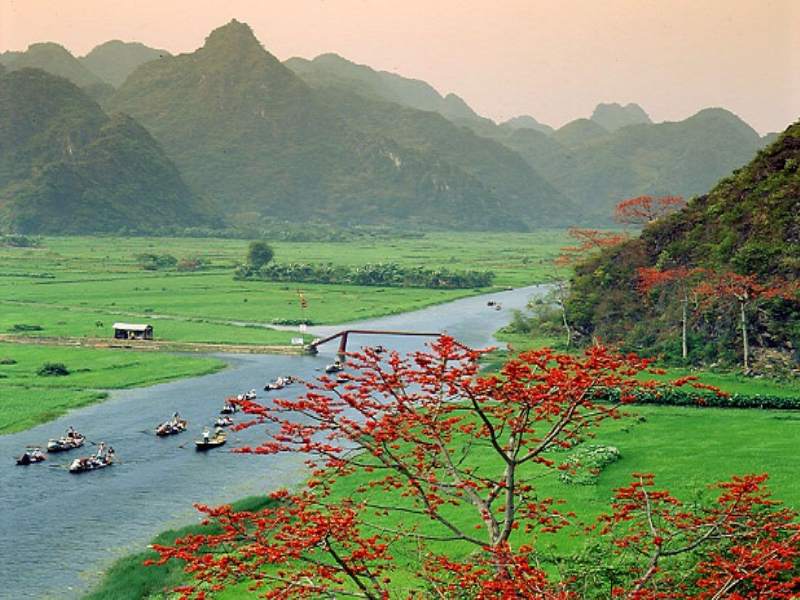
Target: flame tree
[(422, 452), (677, 279), (746, 291), (643, 210)]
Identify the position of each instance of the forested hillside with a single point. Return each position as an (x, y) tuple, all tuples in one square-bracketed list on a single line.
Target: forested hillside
[(748, 225), (67, 167)]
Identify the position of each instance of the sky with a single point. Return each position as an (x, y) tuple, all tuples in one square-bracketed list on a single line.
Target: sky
[(551, 59)]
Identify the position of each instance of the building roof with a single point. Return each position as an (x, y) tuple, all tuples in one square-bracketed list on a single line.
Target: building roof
[(132, 326)]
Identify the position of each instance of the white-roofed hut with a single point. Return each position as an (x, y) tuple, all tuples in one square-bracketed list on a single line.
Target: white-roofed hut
[(133, 331)]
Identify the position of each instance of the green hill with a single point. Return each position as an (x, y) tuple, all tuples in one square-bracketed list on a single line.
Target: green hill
[(613, 116), (251, 133), (526, 122), (748, 223), (67, 167), (57, 60), (114, 60), (331, 70)]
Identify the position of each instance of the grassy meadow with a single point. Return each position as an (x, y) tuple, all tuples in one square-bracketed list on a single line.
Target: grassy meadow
[(28, 399), (78, 286)]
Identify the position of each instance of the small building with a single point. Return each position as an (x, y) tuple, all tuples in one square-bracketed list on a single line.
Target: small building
[(133, 331)]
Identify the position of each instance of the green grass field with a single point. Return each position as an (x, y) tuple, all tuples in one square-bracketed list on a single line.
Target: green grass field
[(78, 286), (28, 399)]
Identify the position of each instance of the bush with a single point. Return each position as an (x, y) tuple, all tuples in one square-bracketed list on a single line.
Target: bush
[(7, 361), (191, 263), (586, 463), (671, 396), (19, 241), (259, 254), (53, 370), (26, 327), (156, 262), (379, 274)]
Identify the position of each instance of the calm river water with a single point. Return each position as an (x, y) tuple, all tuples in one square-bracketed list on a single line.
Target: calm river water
[(59, 531)]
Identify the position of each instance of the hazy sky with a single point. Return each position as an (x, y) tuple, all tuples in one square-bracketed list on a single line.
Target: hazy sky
[(552, 59)]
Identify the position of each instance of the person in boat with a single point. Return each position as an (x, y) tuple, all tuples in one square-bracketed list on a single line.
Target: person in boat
[(217, 431), (206, 435), (37, 454), (110, 455), (71, 433), (101, 451), (175, 420)]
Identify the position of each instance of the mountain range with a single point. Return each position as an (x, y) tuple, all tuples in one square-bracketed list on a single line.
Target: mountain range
[(329, 139), (68, 167)]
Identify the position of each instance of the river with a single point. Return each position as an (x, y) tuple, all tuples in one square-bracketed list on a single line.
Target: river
[(58, 531)]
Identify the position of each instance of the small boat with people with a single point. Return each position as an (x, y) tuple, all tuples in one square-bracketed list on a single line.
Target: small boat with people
[(223, 421), (228, 408), (31, 457), (69, 441), (279, 383), (172, 427), (206, 442), (104, 457), (335, 367)]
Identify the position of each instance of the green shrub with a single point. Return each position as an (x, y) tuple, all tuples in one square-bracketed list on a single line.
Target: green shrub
[(585, 464), (671, 396), (378, 274), (7, 361), (53, 370), (26, 327)]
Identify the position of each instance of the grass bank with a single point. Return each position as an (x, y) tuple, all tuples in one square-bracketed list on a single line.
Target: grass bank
[(28, 399)]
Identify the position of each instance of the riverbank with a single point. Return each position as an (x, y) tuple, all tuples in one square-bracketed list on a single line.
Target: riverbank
[(28, 398)]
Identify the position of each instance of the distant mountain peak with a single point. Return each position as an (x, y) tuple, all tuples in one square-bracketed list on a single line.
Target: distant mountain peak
[(527, 122), (613, 116), (233, 34)]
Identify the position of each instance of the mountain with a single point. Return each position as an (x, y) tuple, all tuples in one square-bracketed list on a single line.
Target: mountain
[(526, 122), (57, 60), (333, 71), (113, 61), (748, 223), (251, 133), (579, 132), (67, 167), (614, 116), (684, 158)]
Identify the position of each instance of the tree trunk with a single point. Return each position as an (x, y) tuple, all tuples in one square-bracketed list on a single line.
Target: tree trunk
[(745, 340), (684, 325), (562, 305)]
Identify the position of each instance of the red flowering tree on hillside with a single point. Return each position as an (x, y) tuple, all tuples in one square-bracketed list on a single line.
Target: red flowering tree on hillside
[(410, 454), (677, 280), (746, 291), (646, 209), (587, 242)]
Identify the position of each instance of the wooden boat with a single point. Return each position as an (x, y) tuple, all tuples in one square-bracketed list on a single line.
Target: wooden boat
[(65, 443), (214, 442), (90, 463), (228, 409), (170, 428), (31, 458)]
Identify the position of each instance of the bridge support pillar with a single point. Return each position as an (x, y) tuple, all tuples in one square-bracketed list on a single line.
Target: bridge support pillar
[(342, 345)]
